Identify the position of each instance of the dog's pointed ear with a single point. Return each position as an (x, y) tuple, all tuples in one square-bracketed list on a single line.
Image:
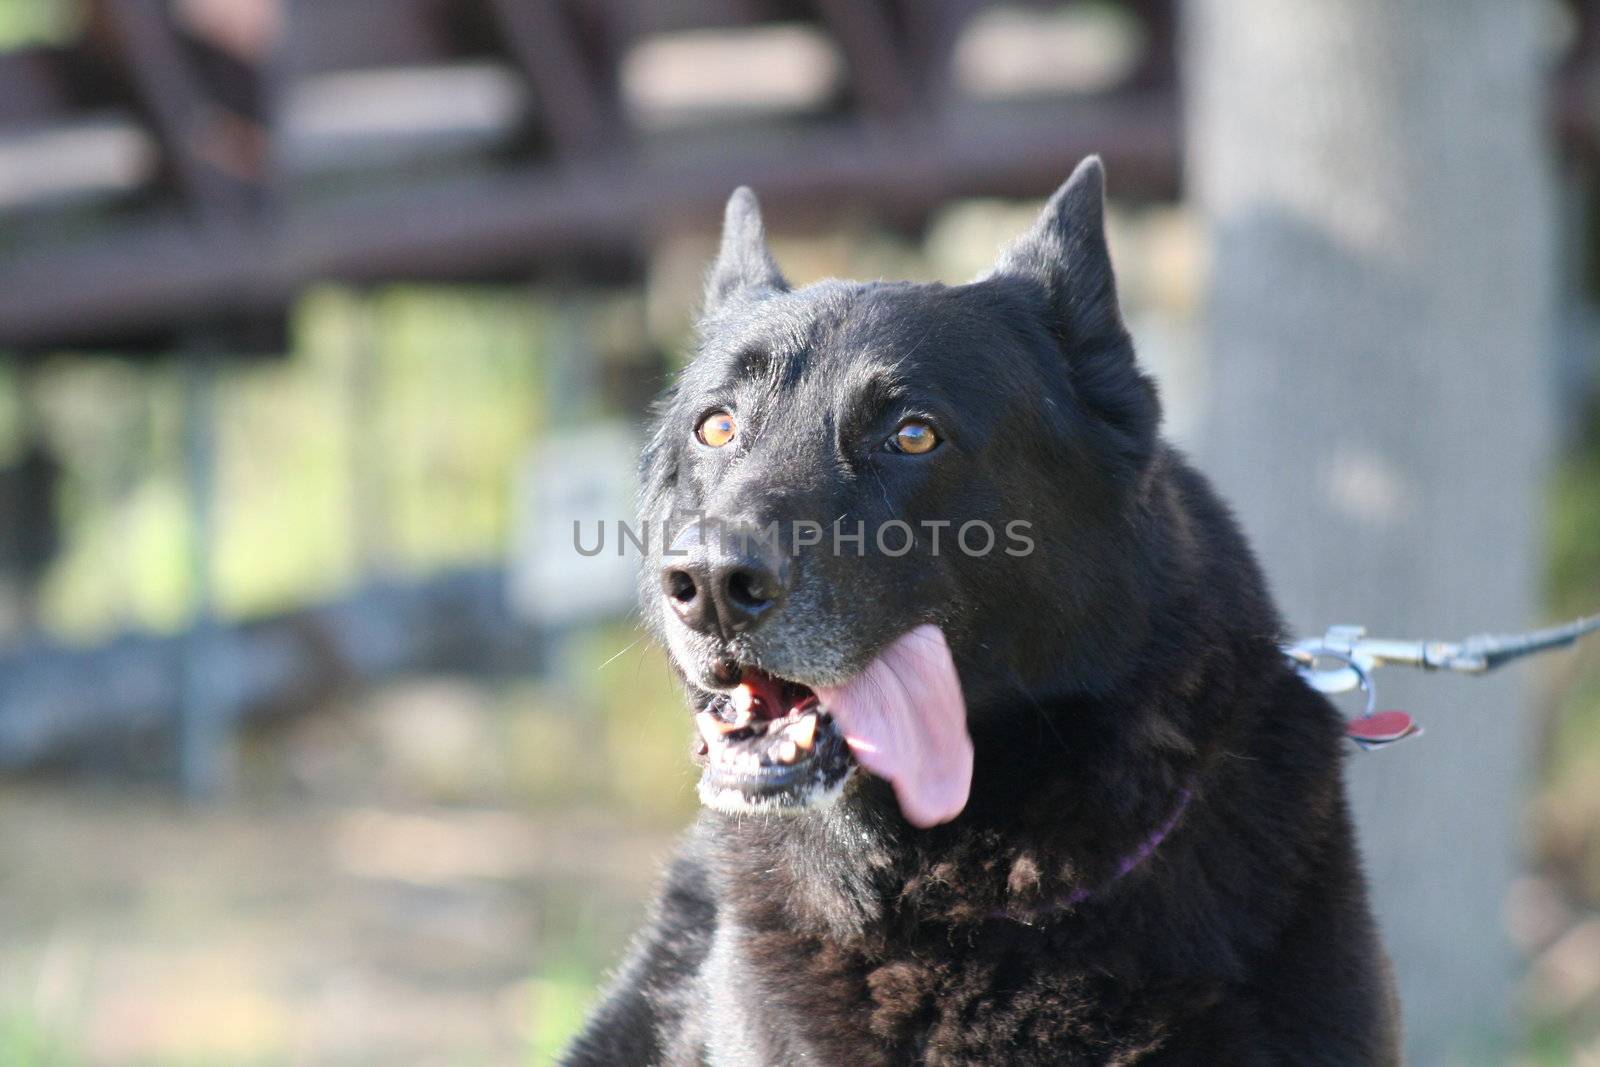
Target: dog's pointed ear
[(1066, 252), (1065, 258), (743, 265)]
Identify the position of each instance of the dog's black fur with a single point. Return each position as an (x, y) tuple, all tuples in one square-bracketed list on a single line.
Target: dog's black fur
[(1132, 655)]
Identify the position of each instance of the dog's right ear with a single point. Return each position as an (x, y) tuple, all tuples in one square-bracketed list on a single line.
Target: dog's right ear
[(744, 267)]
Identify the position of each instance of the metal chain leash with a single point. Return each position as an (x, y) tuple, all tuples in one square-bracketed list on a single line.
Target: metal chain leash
[(1345, 658)]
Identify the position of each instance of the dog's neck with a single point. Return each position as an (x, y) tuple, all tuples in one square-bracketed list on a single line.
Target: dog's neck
[(1053, 817)]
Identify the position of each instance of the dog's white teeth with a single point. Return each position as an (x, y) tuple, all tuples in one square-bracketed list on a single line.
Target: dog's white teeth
[(711, 728), (803, 732), (786, 751), (744, 703)]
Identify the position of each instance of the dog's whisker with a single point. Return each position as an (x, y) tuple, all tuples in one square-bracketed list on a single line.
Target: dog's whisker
[(884, 490), (630, 646)]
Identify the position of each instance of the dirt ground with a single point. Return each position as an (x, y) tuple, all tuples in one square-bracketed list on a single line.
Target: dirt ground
[(342, 908)]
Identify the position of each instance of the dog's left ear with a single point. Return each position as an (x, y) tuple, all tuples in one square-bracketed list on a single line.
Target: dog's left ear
[(743, 266), (1065, 254)]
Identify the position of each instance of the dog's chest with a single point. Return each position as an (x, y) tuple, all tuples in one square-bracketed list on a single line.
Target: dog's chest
[(779, 999)]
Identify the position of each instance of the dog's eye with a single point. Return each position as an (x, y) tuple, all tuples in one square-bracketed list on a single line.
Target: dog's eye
[(914, 437), (717, 429)]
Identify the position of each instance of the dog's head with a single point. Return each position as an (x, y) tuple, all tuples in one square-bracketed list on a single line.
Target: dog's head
[(870, 489)]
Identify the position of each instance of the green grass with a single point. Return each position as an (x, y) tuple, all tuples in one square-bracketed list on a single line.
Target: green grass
[(34, 22), (562, 994), (1550, 1045), (1573, 545), (582, 939), (1573, 589), (25, 1041)]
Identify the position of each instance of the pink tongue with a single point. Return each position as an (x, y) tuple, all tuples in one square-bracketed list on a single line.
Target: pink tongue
[(906, 721)]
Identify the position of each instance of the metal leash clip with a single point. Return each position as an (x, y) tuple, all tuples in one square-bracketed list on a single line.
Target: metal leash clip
[(1355, 656)]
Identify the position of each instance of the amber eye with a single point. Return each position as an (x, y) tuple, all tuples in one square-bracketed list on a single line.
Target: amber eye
[(914, 437), (717, 429)]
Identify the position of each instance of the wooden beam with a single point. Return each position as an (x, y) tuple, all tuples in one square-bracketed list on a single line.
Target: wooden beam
[(645, 17), (183, 120), (493, 225), (1158, 63), (33, 89), (338, 35), (880, 71), (574, 100), (932, 29)]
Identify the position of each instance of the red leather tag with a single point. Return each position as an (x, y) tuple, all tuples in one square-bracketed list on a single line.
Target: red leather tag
[(1381, 728)]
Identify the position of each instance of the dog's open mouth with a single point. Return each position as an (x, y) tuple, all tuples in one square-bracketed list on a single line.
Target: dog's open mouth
[(773, 744), (770, 746)]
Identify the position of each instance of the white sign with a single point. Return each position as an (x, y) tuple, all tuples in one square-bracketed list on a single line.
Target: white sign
[(572, 491)]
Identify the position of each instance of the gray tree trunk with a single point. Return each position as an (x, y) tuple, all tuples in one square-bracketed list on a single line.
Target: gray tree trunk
[(1373, 177)]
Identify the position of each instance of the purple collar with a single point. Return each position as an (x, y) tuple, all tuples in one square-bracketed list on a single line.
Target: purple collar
[(1125, 866)]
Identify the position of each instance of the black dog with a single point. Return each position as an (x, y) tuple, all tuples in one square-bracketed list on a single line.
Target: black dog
[(1060, 800)]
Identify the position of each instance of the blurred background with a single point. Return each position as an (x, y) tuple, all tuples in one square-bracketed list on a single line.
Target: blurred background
[(322, 320)]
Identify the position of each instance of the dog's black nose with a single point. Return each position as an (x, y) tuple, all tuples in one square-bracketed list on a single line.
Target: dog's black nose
[(746, 590), (721, 596), (725, 591)]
